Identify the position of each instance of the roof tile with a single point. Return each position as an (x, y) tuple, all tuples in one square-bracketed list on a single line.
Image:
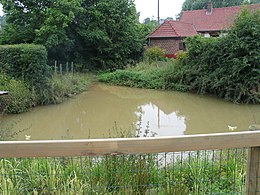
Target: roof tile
[(195, 21), (172, 28), (219, 19)]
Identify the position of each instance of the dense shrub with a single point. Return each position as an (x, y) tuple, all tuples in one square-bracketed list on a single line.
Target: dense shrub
[(26, 62), (19, 98), (227, 67), (151, 78), (154, 54)]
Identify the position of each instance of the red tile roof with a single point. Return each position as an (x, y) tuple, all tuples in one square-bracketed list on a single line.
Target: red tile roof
[(172, 28), (219, 19), (195, 21)]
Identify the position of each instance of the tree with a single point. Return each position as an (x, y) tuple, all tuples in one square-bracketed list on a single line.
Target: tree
[(97, 33), (148, 26), (109, 33), (202, 4), (43, 22)]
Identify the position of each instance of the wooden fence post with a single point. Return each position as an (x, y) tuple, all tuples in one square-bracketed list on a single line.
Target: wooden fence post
[(72, 67), (253, 171), (67, 67), (60, 68), (55, 67)]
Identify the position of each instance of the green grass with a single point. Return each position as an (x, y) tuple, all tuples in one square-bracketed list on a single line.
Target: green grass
[(156, 75), (201, 172), (59, 88), (141, 76), (64, 86)]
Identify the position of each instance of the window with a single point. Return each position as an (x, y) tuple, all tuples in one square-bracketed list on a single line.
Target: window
[(182, 46)]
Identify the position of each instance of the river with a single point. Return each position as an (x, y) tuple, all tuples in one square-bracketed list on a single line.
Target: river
[(107, 111)]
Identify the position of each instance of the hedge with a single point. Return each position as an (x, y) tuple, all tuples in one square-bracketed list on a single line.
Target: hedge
[(26, 62), (227, 67)]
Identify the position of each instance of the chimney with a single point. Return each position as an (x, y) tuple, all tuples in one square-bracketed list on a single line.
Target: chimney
[(209, 8)]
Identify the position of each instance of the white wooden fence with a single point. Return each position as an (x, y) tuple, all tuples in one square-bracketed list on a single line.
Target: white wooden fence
[(101, 147)]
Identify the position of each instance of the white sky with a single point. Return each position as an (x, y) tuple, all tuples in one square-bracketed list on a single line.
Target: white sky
[(148, 8)]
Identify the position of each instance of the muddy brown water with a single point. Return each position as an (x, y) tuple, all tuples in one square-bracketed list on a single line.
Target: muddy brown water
[(106, 111)]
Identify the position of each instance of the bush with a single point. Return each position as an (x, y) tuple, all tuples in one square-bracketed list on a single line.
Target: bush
[(26, 62), (151, 78), (19, 99), (227, 67), (154, 54)]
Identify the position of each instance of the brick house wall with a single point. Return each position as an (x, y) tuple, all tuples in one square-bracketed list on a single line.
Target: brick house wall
[(170, 45)]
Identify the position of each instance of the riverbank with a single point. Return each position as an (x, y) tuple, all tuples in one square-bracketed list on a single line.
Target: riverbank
[(143, 75), (59, 87), (174, 75)]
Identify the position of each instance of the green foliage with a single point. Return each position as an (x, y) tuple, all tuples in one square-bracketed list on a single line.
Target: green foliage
[(147, 27), (19, 98), (201, 172), (152, 77), (111, 36), (146, 75), (202, 4), (227, 67), (99, 34), (63, 87), (154, 53), (26, 62), (37, 21)]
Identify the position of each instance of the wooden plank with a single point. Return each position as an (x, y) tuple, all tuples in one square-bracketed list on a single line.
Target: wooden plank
[(253, 171), (88, 147)]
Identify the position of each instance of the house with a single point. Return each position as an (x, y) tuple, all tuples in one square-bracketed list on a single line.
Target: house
[(210, 22)]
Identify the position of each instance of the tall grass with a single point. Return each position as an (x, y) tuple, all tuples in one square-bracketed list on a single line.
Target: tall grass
[(59, 88), (200, 172), (156, 75), (144, 75), (63, 86)]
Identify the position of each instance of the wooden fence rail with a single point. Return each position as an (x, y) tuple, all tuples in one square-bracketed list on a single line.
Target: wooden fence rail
[(87, 147), (101, 147)]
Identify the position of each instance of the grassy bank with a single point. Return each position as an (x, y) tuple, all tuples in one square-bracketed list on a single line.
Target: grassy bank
[(201, 172), (142, 76), (176, 75), (59, 87), (156, 75)]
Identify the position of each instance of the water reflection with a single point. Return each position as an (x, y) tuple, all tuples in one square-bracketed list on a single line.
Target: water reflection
[(158, 122), (103, 111)]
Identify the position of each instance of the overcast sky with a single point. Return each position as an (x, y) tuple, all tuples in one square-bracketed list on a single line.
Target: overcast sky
[(148, 8)]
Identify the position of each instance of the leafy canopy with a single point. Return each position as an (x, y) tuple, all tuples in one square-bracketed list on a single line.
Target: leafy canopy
[(96, 33), (202, 4)]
